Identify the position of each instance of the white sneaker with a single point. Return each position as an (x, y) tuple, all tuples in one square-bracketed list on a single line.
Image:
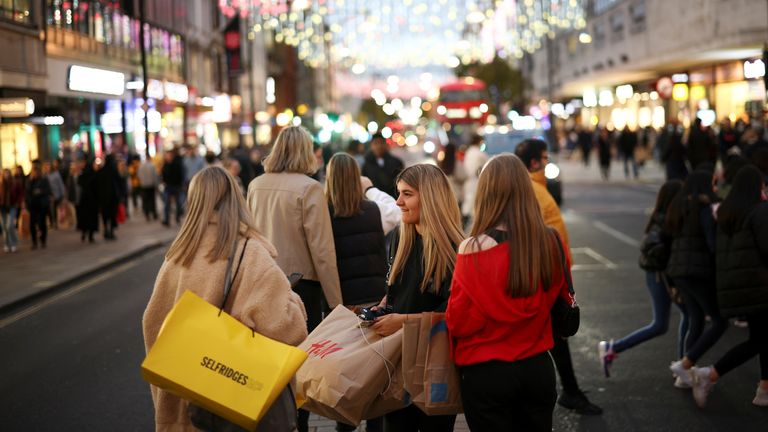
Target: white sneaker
[(13, 249), (761, 397), (680, 372), (702, 385), (6, 249), (680, 383), (606, 355)]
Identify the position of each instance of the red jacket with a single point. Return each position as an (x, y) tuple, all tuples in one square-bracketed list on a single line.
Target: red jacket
[(485, 323)]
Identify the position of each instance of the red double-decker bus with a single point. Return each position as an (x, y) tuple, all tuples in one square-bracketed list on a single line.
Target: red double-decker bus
[(463, 101)]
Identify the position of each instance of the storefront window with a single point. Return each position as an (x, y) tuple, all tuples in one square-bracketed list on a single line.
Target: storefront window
[(103, 21), (16, 10), (18, 145)]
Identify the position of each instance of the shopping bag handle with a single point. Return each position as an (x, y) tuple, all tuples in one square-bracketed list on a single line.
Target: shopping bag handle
[(229, 277)]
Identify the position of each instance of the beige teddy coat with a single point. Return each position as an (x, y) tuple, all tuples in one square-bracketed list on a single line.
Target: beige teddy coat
[(261, 298)]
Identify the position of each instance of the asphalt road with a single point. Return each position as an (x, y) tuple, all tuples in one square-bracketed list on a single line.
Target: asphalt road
[(72, 363)]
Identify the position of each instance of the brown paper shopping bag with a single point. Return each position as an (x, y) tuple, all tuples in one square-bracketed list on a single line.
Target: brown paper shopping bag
[(430, 377), (347, 369)]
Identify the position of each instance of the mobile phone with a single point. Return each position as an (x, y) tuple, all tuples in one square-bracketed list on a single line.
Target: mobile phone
[(294, 278)]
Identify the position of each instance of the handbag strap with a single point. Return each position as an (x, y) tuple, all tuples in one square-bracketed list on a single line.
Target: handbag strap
[(563, 261), (228, 276)]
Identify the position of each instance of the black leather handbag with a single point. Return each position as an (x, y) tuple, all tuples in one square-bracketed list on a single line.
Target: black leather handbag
[(566, 316)]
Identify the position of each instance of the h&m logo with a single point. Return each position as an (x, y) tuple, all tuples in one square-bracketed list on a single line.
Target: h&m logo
[(324, 348)]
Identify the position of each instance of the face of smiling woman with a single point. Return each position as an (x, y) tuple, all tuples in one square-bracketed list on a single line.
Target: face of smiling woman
[(409, 202)]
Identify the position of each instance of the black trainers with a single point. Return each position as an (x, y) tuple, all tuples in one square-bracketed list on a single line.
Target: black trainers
[(579, 403)]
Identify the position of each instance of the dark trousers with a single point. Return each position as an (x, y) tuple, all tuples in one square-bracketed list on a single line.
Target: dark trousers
[(175, 193), (412, 419), (561, 354), (700, 298), (311, 293), (757, 344), (503, 396), (109, 218), (148, 204), (37, 224), (371, 425)]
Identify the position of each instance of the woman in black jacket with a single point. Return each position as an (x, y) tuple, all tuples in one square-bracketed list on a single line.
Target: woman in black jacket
[(359, 239), (742, 280), (691, 266)]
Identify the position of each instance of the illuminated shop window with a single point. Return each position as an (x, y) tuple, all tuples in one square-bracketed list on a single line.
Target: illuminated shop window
[(16, 10)]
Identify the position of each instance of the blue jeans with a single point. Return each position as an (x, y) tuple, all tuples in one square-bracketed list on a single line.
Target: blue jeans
[(661, 309), (8, 222)]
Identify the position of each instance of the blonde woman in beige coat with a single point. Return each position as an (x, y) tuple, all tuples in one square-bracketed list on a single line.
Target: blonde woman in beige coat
[(261, 296)]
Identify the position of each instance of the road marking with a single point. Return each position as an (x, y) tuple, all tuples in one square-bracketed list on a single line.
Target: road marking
[(605, 263), (618, 235), (70, 292)]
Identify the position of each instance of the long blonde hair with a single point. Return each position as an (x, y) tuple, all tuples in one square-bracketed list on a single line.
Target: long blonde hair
[(440, 223), (292, 152), (213, 193), (342, 185), (505, 199)]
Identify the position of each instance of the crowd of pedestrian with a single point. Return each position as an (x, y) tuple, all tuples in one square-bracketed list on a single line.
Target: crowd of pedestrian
[(706, 250), (377, 234)]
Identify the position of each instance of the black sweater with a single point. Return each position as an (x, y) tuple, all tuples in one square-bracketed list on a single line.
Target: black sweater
[(405, 295), (360, 255)]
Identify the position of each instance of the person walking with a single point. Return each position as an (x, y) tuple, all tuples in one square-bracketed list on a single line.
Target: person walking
[(38, 198), (11, 198), (627, 146), (359, 240), (148, 181), (291, 210), (654, 254), (381, 167), (87, 208), (454, 169), (691, 266), (58, 193), (108, 194), (474, 159), (673, 152), (584, 142), (604, 144), (218, 226), (742, 281), (509, 273), (535, 156), (173, 181), (423, 254)]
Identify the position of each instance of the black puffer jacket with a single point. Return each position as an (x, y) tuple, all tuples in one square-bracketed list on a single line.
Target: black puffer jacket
[(742, 266), (656, 245), (360, 255), (692, 254)]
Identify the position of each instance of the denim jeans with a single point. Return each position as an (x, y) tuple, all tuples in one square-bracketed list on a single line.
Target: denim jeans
[(661, 303), (700, 297), (8, 222)]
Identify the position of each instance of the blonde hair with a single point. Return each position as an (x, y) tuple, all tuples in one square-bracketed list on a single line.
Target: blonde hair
[(440, 223), (213, 192), (292, 152), (342, 185), (505, 199)]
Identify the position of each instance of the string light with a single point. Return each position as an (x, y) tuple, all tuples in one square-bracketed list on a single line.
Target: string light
[(391, 34)]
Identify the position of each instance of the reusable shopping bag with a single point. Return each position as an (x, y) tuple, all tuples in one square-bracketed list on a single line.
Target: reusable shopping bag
[(430, 377), (211, 359), (349, 367)]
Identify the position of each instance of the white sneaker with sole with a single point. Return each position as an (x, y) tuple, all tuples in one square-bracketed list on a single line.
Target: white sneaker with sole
[(606, 355), (761, 397), (680, 383), (680, 372), (702, 385)]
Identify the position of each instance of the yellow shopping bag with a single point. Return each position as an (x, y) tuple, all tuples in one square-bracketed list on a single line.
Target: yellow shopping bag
[(214, 361)]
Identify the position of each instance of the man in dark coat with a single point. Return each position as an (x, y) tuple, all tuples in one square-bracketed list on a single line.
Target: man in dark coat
[(173, 182), (627, 146), (37, 199), (381, 167)]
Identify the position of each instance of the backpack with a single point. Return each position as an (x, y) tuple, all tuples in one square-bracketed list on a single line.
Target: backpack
[(654, 252)]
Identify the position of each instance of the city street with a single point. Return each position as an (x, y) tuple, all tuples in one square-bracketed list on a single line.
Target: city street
[(71, 362)]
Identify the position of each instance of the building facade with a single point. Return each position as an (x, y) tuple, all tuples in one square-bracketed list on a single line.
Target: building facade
[(645, 62)]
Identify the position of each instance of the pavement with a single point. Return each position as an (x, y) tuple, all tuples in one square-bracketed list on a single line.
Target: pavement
[(28, 273)]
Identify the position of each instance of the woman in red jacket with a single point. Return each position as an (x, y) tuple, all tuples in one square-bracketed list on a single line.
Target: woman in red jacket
[(508, 275)]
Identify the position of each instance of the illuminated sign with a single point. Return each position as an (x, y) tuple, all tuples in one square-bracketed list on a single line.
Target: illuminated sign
[(680, 92), (754, 69), (155, 89), (16, 107), (176, 92), (91, 80)]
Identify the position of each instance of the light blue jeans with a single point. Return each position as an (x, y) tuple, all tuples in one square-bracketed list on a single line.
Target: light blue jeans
[(661, 310), (8, 222)]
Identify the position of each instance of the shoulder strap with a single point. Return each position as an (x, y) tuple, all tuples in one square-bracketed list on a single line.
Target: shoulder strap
[(229, 277), (563, 261), (394, 239)]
